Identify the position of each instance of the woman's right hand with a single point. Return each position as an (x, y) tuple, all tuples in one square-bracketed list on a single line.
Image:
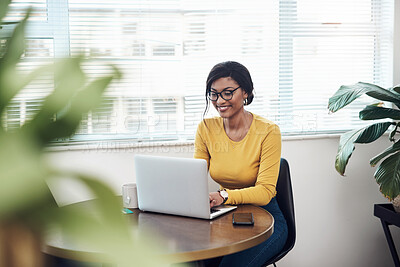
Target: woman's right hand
[(215, 199)]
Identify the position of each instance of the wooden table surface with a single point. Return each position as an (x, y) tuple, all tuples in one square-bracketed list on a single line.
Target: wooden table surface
[(184, 239)]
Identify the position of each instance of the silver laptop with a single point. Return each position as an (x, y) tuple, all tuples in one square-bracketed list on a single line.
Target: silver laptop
[(176, 186)]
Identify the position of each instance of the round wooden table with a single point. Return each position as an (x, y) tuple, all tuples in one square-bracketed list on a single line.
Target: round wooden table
[(184, 239)]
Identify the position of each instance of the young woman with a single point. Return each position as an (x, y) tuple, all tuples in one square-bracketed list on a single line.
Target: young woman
[(243, 152)]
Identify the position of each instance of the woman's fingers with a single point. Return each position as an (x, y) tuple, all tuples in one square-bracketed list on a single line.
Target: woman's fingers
[(213, 203), (215, 199)]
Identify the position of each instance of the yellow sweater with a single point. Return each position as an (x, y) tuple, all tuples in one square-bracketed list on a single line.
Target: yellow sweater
[(247, 169)]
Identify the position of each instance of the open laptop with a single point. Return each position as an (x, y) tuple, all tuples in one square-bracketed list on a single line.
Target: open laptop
[(176, 186)]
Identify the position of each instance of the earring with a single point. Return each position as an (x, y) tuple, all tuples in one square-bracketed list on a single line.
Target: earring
[(245, 101)]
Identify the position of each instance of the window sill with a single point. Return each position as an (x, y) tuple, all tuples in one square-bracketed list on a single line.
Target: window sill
[(127, 145)]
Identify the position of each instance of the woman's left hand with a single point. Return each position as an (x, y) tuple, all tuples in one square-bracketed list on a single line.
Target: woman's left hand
[(215, 199)]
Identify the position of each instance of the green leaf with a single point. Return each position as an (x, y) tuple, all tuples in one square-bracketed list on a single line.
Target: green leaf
[(396, 88), (15, 47), (4, 8), (387, 175), (380, 93), (364, 135), (347, 94), (20, 81), (14, 50), (83, 229), (106, 200), (393, 133), (23, 80), (372, 132), (101, 226), (68, 120), (21, 174), (91, 96), (372, 112), (69, 79), (390, 150)]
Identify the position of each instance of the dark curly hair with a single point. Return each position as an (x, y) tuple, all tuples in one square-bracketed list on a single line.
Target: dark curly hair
[(237, 72)]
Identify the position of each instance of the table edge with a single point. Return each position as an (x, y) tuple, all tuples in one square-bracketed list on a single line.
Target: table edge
[(98, 257), (226, 250)]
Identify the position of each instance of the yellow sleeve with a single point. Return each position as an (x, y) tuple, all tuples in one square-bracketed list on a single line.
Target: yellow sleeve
[(265, 187), (200, 146)]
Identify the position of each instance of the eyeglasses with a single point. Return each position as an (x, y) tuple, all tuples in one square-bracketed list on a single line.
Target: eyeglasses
[(225, 94)]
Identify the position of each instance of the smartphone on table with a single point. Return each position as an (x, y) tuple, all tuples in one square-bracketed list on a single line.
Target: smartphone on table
[(242, 218)]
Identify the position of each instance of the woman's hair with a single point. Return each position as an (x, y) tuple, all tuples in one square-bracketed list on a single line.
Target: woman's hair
[(239, 73)]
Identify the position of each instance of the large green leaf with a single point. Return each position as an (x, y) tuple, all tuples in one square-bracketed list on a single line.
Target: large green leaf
[(394, 132), (102, 227), (347, 94), (390, 150), (68, 120), (109, 204), (15, 47), (22, 174), (372, 132), (90, 97), (14, 50), (387, 175), (346, 147), (20, 81), (396, 88), (373, 112), (69, 79), (4, 8), (380, 93)]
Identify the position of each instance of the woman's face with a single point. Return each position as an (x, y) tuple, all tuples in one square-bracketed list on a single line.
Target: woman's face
[(228, 108)]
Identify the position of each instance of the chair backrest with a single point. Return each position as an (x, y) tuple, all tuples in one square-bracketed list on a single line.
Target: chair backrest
[(284, 196)]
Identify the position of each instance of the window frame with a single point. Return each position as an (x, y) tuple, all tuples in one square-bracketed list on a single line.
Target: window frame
[(57, 28)]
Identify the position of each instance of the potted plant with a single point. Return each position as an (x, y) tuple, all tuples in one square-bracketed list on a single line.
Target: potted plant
[(387, 174), (27, 206)]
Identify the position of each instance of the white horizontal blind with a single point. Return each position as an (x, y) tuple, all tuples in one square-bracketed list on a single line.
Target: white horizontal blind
[(298, 53), (165, 50), (143, 39), (323, 45)]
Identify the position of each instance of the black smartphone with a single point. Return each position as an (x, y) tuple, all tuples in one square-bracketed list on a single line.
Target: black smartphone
[(242, 218)]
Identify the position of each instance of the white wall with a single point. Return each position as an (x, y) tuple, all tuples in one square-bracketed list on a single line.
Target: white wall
[(335, 222)]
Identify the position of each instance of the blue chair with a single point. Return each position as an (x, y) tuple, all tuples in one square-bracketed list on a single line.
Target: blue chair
[(284, 198)]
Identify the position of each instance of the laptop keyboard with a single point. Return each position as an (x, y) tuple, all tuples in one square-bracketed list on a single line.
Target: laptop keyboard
[(212, 210)]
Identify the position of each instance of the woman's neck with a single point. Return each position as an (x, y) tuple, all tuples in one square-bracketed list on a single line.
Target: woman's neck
[(241, 121)]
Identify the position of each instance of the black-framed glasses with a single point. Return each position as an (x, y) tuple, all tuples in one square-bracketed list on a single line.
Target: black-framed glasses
[(225, 94)]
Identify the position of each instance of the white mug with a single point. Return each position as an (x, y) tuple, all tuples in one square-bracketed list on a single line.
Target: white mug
[(129, 196)]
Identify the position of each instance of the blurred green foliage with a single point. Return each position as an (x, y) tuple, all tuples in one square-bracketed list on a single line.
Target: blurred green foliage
[(24, 195)]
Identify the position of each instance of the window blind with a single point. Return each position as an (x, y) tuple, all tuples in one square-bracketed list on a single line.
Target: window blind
[(323, 45), (298, 53)]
